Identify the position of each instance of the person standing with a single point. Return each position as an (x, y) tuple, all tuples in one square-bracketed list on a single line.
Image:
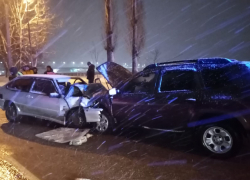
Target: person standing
[(91, 72), (49, 70), (27, 70), (13, 73), (35, 70)]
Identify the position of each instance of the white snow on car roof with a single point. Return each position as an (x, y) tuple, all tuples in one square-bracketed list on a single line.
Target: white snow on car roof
[(49, 76)]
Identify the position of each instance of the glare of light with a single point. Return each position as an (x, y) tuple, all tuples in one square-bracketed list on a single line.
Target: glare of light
[(138, 65), (27, 1), (30, 62), (53, 62), (55, 70), (2, 71), (81, 62), (42, 62), (1, 62), (63, 62), (97, 62), (73, 62)]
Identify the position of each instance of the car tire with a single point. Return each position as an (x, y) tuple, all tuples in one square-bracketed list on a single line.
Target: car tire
[(106, 123), (76, 119), (220, 141), (11, 113)]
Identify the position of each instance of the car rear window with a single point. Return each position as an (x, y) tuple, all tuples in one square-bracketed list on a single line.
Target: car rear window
[(23, 84), (235, 76)]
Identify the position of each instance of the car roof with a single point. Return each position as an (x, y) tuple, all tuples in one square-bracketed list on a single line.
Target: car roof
[(47, 76), (214, 60)]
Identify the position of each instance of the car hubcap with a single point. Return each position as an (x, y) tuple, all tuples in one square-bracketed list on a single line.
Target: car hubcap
[(102, 126), (217, 140)]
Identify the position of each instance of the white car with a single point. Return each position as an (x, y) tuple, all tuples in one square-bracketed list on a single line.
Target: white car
[(50, 97)]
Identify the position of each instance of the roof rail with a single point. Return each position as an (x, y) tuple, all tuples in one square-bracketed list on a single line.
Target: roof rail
[(215, 60), (168, 63)]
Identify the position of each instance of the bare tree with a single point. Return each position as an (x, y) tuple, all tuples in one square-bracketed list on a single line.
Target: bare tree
[(30, 25), (135, 14), (94, 54), (155, 55), (110, 24)]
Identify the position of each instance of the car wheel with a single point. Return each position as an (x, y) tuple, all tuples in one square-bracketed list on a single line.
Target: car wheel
[(11, 113), (221, 141), (106, 123), (76, 119)]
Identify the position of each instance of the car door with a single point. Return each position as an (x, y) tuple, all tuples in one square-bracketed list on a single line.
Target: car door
[(18, 91), (44, 106), (175, 100), (130, 105)]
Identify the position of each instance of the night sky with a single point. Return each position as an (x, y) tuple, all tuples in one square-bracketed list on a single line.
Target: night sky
[(179, 29)]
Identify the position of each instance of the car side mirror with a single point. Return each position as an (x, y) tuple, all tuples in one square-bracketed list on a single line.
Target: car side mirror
[(113, 91), (54, 95)]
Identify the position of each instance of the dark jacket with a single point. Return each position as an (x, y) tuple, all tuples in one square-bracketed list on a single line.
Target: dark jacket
[(46, 72), (13, 73), (91, 72)]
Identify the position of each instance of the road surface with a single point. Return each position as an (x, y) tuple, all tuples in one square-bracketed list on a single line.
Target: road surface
[(137, 155)]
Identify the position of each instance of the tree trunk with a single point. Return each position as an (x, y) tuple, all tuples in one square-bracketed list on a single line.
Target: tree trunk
[(20, 41), (109, 31), (10, 62), (134, 33)]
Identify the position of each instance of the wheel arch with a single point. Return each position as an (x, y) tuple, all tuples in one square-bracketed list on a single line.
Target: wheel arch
[(69, 111), (220, 118), (7, 103)]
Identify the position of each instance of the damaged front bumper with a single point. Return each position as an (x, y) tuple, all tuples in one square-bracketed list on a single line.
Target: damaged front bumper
[(92, 114)]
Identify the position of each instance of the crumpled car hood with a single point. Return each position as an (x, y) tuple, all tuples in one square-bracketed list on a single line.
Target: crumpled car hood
[(114, 73), (90, 89)]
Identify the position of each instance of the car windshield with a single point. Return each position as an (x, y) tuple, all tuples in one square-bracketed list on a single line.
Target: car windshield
[(64, 84)]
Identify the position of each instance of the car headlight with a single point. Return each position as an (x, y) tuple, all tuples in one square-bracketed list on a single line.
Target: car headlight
[(84, 102)]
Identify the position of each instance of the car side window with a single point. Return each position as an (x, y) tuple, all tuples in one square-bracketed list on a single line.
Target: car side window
[(144, 83), (177, 80), (44, 87), (23, 84), (218, 76)]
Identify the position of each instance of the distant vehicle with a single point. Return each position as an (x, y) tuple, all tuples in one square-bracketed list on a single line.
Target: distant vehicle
[(49, 97), (210, 96)]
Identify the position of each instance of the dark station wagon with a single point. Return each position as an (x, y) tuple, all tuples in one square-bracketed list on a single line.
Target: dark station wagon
[(209, 96)]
